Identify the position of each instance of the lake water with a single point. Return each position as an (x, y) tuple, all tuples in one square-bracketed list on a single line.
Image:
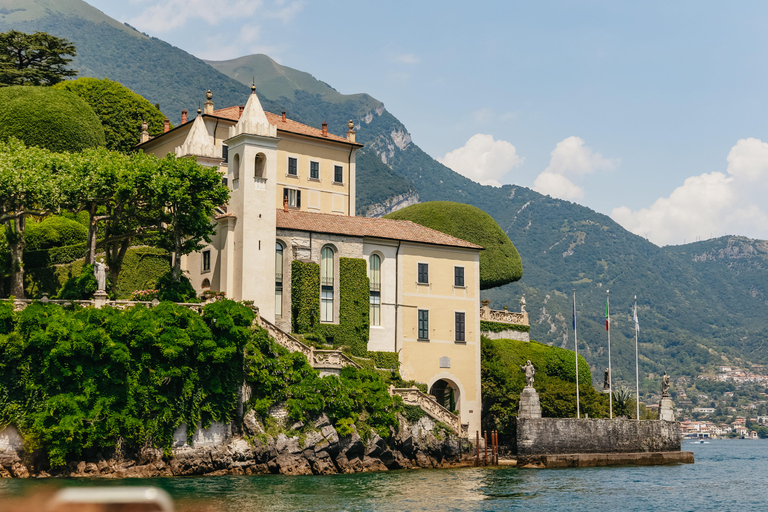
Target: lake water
[(727, 475)]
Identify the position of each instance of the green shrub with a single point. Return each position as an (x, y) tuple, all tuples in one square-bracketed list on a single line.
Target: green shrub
[(385, 360), (500, 262), (488, 326), (305, 296), (6, 317), (54, 231), (413, 413), (80, 287), (175, 291), (141, 270), (54, 256), (120, 110), (50, 118)]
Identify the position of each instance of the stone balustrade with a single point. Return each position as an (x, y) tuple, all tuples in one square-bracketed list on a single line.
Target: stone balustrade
[(20, 304), (506, 317), (412, 396)]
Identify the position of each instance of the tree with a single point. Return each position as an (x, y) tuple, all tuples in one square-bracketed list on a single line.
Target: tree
[(28, 186), (34, 59), (188, 194), (120, 110)]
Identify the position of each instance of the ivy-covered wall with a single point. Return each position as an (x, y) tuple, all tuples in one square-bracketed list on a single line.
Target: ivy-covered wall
[(352, 328), (488, 326)]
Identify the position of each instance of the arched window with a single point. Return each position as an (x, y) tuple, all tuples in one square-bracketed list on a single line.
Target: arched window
[(326, 284), (278, 280), (260, 166), (236, 172), (206, 284), (374, 276)]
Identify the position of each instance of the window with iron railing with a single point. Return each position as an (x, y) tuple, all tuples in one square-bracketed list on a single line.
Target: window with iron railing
[(374, 277), (327, 262)]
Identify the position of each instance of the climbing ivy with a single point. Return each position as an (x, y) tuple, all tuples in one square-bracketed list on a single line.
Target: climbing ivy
[(352, 329), (486, 325)]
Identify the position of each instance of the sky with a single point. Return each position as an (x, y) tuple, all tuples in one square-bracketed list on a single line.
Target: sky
[(653, 113)]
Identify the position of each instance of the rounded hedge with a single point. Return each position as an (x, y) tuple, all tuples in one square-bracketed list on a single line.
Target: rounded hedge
[(120, 110), (50, 118), (500, 262), (54, 231)]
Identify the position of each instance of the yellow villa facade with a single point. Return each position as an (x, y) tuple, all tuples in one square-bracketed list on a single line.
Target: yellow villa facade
[(292, 197)]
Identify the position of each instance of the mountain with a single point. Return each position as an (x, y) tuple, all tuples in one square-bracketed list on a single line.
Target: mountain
[(699, 304)]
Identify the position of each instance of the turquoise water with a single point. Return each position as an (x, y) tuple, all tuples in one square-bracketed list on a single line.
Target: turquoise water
[(727, 475)]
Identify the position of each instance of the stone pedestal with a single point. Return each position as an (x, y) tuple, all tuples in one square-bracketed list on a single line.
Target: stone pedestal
[(666, 409), (529, 404), (100, 298)]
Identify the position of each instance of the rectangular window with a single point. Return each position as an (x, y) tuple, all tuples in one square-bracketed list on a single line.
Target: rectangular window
[(294, 197), (326, 304), (225, 153), (458, 276), (460, 326), (423, 273), (338, 174), (314, 170), (279, 301), (375, 309), (293, 166), (206, 261), (423, 324)]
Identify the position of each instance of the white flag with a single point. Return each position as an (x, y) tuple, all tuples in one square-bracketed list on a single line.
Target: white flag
[(637, 325)]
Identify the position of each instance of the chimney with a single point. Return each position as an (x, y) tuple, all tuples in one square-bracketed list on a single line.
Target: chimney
[(144, 133), (166, 125), (183, 116), (351, 131), (283, 115), (208, 107), (325, 129), (285, 204), (240, 111)]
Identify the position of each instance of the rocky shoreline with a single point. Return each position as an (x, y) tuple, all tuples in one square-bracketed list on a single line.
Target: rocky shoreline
[(319, 450)]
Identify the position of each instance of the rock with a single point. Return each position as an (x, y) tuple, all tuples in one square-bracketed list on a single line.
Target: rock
[(287, 444), (322, 421), (288, 464), (19, 470), (298, 425), (371, 465), (91, 468), (323, 466), (250, 425)]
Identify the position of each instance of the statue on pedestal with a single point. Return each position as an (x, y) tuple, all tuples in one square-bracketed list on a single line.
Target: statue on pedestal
[(665, 385), (522, 306), (530, 371), (607, 380), (100, 272)]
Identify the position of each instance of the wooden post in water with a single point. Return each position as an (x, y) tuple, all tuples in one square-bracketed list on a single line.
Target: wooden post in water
[(485, 445), (477, 448)]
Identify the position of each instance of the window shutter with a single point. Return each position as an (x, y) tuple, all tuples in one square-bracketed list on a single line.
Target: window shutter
[(298, 199)]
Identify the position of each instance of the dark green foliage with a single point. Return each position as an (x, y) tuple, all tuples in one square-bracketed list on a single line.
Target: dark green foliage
[(500, 263), (53, 256), (413, 413), (49, 118), (80, 287), (142, 269), (54, 231), (34, 59), (175, 291), (305, 296), (120, 110), (352, 327), (503, 381), (7, 321), (384, 360), (486, 325), (81, 381)]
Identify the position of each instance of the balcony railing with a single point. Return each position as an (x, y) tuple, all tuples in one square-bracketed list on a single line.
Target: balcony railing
[(375, 287), (326, 281), (260, 183)]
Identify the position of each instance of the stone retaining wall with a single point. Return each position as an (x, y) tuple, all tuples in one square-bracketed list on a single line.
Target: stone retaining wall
[(549, 436)]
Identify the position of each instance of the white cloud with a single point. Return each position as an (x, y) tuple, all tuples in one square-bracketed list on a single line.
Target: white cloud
[(570, 157), (483, 159), (710, 204), (406, 58), (557, 185)]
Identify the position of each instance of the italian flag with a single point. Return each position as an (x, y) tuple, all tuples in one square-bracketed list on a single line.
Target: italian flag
[(607, 317)]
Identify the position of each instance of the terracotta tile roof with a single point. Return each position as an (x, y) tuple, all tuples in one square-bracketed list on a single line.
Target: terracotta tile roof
[(366, 226), (288, 125)]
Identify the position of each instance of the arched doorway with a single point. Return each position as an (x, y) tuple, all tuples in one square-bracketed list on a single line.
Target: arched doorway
[(446, 393)]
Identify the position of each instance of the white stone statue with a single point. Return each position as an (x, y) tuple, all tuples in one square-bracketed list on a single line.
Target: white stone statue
[(522, 304), (100, 272), (530, 371)]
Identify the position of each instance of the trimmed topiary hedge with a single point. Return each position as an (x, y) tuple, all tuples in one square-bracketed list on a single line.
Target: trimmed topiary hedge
[(54, 231), (305, 296), (488, 326), (50, 118), (500, 262), (54, 256)]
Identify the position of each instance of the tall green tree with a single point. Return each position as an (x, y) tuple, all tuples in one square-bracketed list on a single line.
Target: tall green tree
[(189, 194), (28, 187), (34, 59)]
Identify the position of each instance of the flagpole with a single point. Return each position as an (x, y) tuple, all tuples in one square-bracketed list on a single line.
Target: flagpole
[(576, 346), (610, 370), (637, 363)]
